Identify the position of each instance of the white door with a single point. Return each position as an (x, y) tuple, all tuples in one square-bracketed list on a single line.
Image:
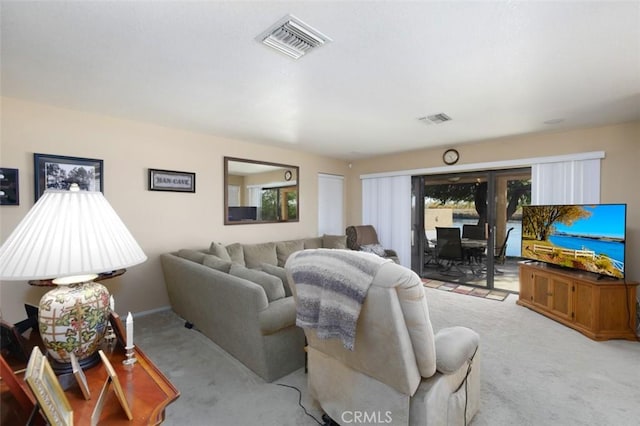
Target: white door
[(330, 204)]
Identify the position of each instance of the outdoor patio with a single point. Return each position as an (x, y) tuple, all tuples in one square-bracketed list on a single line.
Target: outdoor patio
[(505, 276)]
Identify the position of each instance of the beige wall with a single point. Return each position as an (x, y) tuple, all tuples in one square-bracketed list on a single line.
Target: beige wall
[(165, 221), (160, 221), (620, 172)]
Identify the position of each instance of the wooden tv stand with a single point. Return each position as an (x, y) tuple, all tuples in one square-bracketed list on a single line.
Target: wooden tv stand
[(601, 309)]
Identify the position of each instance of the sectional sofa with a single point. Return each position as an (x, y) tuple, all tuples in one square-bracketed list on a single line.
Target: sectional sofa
[(238, 296)]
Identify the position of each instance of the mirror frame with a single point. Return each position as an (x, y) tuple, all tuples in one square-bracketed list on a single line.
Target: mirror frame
[(288, 167)]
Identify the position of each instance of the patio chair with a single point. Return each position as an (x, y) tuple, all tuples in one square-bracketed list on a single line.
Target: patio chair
[(449, 247), (429, 253), (501, 250), (474, 232)]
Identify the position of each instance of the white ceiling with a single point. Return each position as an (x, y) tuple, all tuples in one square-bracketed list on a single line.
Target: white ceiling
[(497, 68)]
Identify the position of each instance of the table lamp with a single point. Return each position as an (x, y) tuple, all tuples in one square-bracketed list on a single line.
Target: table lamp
[(71, 236)]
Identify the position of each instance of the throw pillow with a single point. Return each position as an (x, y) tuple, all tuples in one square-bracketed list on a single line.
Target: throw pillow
[(192, 255), (313, 243), (279, 272), (255, 254), (219, 250), (236, 253), (284, 249), (216, 263), (334, 241), (272, 285), (373, 248)]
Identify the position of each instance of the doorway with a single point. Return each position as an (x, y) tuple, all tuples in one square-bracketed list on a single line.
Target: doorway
[(490, 232)]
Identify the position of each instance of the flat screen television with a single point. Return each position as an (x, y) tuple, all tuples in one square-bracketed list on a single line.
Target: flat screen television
[(585, 237), (243, 213)]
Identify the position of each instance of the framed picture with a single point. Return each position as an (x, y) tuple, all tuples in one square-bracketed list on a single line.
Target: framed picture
[(117, 387), (80, 377), (59, 172), (9, 191), (45, 387), (168, 180), (118, 328)]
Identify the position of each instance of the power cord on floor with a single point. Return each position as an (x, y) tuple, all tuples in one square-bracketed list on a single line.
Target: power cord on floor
[(300, 402), (465, 382)]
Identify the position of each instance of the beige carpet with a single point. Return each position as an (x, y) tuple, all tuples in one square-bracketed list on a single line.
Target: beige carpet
[(534, 371)]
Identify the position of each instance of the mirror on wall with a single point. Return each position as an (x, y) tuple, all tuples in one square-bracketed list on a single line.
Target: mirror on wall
[(259, 192)]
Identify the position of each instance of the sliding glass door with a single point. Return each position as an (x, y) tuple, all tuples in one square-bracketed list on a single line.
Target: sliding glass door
[(485, 207)]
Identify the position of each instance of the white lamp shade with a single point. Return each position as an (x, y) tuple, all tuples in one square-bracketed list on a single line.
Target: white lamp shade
[(68, 233)]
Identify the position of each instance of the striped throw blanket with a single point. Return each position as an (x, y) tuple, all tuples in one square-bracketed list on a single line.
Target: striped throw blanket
[(331, 286)]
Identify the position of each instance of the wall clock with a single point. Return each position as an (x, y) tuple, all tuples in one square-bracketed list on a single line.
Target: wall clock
[(450, 156), (287, 175)]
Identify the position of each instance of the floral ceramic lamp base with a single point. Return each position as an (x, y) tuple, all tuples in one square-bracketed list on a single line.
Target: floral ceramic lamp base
[(74, 318)]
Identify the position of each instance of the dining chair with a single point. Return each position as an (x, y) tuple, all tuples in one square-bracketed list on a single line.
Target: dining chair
[(449, 248), (429, 253), (501, 250), (474, 232)]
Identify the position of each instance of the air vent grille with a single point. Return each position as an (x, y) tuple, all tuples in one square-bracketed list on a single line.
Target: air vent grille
[(293, 37), (435, 119)]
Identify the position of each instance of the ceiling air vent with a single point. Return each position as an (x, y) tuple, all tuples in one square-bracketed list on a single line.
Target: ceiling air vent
[(435, 118), (293, 37)]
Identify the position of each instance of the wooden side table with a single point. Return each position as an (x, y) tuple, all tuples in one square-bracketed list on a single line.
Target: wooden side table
[(147, 390)]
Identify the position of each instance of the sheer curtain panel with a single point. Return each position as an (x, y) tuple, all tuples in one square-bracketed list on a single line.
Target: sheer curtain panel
[(566, 182), (386, 204)]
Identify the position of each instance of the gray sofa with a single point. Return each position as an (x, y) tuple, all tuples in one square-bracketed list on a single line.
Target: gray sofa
[(238, 296)]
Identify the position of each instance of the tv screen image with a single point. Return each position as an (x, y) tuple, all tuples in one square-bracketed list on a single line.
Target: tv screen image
[(585, 237)]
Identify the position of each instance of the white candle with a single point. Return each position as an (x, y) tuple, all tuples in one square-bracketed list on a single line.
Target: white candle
[(112, 304), (129, 330)]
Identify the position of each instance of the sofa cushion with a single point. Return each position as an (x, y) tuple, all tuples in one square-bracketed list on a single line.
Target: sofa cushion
[(272, 285), (284, 249), (236, 253), (312, 243), (334, 241), (279, 272), (257, 254), (454, 347), (219, 250), (192, 255), (374, 248), (216, 263)]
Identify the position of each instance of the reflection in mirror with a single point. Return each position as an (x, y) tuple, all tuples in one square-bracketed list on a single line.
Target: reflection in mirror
[(259, 192)]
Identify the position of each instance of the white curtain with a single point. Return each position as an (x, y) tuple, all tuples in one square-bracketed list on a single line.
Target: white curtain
[(254, 198), (386, 204), (234, 195), (330, 204), (566, 182)]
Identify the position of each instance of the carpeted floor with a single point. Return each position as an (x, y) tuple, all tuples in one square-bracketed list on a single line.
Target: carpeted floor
[(534, 370), (465, 289)]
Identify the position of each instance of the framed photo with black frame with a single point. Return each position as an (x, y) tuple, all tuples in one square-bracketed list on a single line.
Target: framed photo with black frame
[(169, 180), (59, 172), (9, 190), (118, 328)]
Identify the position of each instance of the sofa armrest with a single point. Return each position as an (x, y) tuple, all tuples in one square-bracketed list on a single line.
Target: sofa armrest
[(279, 314), (454, 347)]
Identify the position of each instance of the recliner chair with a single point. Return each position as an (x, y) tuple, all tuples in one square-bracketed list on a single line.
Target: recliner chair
[(399, 372), (366, 235)]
